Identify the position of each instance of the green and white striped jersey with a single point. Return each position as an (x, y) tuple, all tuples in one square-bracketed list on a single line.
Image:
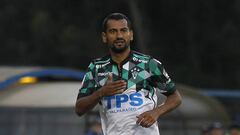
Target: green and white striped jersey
[(144, 75)]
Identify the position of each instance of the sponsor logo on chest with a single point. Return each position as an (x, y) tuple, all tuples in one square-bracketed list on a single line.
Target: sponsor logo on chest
[(117, 101), (104, 74), (139, 60)]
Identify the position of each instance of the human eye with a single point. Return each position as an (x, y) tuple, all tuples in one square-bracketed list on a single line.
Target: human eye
[(124, 30), (112, 31)]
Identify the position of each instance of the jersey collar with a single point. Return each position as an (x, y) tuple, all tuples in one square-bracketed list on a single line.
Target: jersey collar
[(124, 61)]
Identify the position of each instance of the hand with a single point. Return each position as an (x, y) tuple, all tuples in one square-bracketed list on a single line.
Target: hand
[(147, 119), (112, 87)]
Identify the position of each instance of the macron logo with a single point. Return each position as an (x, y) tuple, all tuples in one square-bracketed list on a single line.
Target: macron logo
[(102, 65), (104, 74)]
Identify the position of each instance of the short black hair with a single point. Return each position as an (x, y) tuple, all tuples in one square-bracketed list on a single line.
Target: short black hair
[(115, 16)]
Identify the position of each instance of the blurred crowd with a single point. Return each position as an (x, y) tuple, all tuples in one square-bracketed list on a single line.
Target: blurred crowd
[(217, 128)]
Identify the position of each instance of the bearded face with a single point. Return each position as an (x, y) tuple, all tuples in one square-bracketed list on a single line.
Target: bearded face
[(119, 45), (117, 35)]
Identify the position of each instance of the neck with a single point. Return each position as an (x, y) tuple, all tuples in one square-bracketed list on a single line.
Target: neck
[(119, 57)]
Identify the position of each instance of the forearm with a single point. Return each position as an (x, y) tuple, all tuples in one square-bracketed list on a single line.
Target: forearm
[(85, 104), (172, 101)]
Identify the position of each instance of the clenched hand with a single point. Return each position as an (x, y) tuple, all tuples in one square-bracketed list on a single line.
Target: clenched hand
[(147, 118)]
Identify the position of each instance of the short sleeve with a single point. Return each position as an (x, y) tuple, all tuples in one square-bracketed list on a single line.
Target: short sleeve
[(160, 78), (88, 84)]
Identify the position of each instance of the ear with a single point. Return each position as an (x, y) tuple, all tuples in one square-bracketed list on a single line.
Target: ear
[(104, 39), (131, 34)]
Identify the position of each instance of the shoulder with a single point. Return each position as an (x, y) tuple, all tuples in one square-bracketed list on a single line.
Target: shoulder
[(155, 61), (147, 58), (102, 60), (140, 57), (98, 62)]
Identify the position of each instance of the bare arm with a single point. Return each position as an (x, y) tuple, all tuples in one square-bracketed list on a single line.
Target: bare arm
[(85, 104), (146, 119), (172, 102)]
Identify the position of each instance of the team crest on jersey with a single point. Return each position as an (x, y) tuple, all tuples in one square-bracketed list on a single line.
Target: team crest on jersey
[(135, 72)]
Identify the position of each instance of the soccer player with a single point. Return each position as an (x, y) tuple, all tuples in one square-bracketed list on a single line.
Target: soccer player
[(124, 83)]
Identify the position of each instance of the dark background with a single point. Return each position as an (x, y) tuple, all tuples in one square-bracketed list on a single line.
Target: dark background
[(197, 41)]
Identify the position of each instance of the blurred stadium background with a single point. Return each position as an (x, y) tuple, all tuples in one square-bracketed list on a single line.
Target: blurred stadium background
[(47, 45)]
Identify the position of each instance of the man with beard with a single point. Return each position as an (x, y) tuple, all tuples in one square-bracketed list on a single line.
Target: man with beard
[(124, 83)]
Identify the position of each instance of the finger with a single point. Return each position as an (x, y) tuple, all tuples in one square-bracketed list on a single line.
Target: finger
[(146, 123), (151, 123), (118, 82), (118, 91), (119, 86), (115, 84), (139, 120), (109, 78)]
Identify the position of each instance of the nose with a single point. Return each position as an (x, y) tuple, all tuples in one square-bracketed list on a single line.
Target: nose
[(119, 34)]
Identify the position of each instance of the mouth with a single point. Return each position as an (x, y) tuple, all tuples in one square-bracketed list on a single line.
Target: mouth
[(119, 42), (119, 46)]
